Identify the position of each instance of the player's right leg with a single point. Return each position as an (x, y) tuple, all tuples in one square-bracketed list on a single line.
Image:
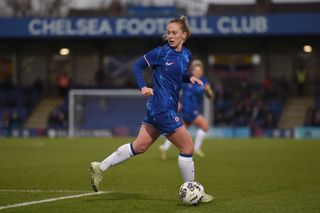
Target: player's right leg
[(147, 135), (164, 148)]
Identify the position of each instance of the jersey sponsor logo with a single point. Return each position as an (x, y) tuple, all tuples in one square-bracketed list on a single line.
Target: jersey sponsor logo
[(169, 63)]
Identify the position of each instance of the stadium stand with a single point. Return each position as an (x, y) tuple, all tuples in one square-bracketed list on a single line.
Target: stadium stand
[(258, 105), (58, 117), (16, 104)]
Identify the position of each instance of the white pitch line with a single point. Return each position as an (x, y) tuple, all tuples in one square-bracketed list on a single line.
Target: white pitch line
[(38, 190), (52, 200)]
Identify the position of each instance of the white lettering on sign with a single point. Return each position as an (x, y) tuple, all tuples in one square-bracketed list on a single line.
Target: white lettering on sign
[(34, 27), (65, 27), (200, 26), (242, 25), (135, 26), (145, 26)]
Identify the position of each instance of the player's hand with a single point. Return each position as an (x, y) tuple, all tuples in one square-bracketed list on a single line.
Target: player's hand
[(146, 91), (194, 80), (207, 86), (179, 106)]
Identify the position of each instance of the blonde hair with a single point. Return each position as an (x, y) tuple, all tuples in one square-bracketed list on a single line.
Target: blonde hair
[(182, 21), (196, 63)]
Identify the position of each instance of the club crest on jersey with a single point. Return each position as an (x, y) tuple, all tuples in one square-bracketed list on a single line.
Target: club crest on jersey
[(176, 118)]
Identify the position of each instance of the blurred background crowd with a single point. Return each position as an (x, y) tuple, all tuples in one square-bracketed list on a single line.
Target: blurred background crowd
[(259, 81)]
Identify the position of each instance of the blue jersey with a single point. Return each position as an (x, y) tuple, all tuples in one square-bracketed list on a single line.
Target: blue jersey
[(169, 68), (192, 96)]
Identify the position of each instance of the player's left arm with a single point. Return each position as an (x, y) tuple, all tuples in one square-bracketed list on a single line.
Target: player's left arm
[(208, 91)]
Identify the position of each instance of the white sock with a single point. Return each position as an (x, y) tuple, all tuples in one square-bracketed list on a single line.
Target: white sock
[(186, 165), (166, 145), (122, 154), (199, 139)]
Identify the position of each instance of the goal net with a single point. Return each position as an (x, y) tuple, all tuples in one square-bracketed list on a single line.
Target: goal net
[(108, 112)]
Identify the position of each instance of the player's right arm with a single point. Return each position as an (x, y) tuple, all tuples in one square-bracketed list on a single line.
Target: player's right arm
[(150, 59), (137, 69), (146, 91)]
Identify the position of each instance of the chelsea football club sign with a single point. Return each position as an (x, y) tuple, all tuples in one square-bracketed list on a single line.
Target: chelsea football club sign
[(143, 27), (105, 27)]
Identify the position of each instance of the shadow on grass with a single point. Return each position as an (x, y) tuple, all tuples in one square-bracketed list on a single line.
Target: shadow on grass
[(114, 196), (125, 196)]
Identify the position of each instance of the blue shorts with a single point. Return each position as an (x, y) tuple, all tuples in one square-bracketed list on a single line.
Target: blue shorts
[(188, 116), (166, 122)]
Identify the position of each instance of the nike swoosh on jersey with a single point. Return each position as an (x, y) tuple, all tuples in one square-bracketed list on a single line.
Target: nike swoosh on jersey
[(168, 64)]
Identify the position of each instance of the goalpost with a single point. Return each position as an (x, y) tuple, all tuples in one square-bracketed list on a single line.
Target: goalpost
[(109, 112)]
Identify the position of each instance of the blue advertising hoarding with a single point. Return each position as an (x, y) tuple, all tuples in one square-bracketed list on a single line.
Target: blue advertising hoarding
[(108, 27), (307, 133)]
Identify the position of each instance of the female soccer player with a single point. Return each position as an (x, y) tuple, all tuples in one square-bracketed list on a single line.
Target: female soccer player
[(169, 64), (191, 100)]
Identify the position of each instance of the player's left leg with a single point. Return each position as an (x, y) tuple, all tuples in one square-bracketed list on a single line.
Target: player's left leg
[(183, 141), (167, 144), (201, 122)]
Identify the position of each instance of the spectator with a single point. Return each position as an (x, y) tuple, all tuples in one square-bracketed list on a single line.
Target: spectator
[(267, 83), (57, 119), (63, 83), (37, 85), (15, 121), (8, 84), (5, 120), (269, 121), (301, 77), (310, 117)]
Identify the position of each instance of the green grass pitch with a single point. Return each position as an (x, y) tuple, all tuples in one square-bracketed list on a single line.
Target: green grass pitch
[(254, 175)]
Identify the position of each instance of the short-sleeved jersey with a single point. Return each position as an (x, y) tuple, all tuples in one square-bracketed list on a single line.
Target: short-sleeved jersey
[(168, 68), (192, 96)]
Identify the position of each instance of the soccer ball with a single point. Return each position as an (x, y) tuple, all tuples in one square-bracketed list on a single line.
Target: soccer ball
[(191, 193)]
